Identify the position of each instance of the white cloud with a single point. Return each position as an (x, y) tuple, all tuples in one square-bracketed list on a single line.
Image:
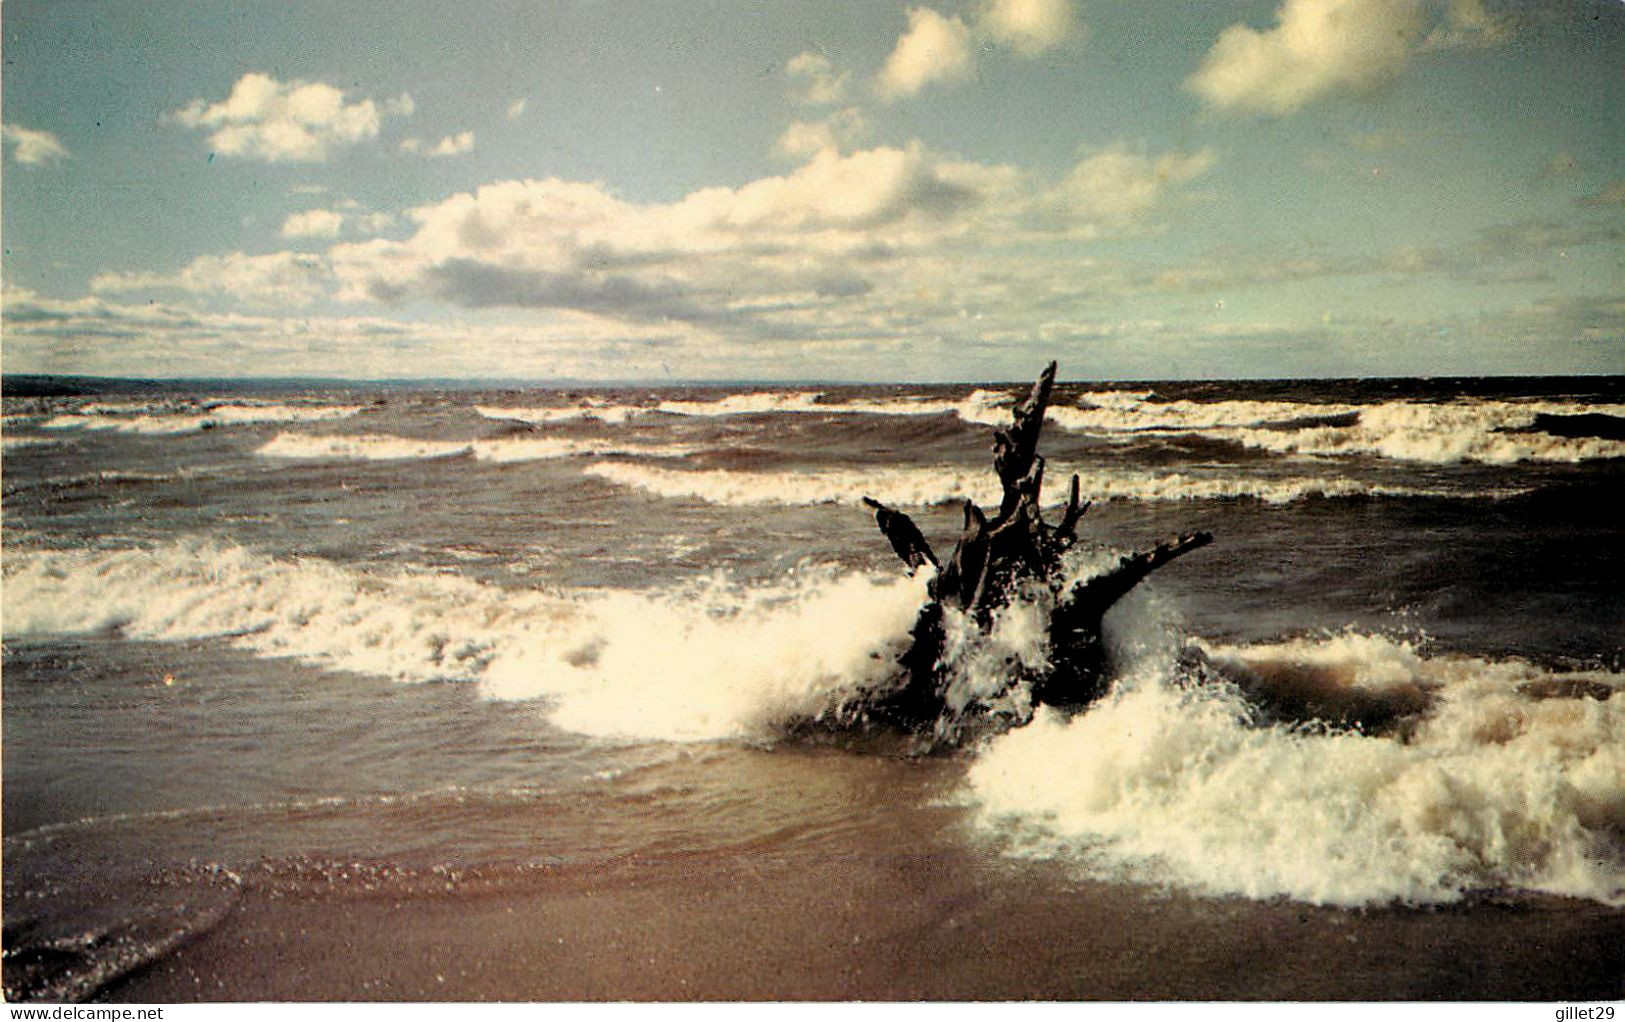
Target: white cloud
[(279, 278), (1119, 186), (843, 243), (1322, 47), (1029, 27), (837, 131), (451, 145), (454, 145), (94, 335), (33, 147), (934, 49), (516, 109), (294, 121), (376, 223), (817, 81), (313, 223)]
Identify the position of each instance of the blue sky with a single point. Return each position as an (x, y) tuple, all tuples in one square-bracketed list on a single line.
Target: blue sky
[(832, 190)]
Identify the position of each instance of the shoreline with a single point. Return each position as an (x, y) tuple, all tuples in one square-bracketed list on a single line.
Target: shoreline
[(763, 928)]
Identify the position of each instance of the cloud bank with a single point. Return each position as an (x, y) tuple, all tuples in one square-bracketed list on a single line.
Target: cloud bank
[(834, 239)]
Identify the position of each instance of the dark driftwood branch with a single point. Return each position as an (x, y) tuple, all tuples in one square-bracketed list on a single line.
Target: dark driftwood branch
[(905, 536), (993, 557), (1067, 532), (1089, 600)]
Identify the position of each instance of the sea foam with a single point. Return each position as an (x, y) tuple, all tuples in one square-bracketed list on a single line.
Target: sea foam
[(979, 406), (1478, 430), (378, 447), (943, 484), (193, 419), (701, 662), (1489, 787)]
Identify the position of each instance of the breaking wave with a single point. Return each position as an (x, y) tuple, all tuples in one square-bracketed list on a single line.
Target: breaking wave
[(12, 443), (1468, 430), (304, 447), (1487, 775), (120, 419), (1350, 770), (940, 485), (975, 408), (707, 661)]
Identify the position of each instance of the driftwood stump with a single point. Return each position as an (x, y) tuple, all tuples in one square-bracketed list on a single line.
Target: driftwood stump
[(996, 558)]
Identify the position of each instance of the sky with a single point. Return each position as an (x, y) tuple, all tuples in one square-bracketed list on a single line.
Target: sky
[(954, 190)]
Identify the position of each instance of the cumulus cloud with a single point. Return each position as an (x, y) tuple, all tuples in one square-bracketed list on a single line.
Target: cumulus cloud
[(933, 49), (837, 131), (1029, 27), (454, 145), (937, 48), (854, 242), (32, 147), (265, 119), (1322, 47), (451, 145), (1119, 185), (816, 81), (516, 109), (313, 223), (279, 278)]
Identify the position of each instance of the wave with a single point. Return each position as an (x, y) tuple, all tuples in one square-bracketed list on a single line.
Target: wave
[(1468, 430), (702, 662), (1494, 432), (944, 484), (12, 443), (975, 408), (598, 411), (196, 420), (305, 447), (1474, 775), (1487, 786), (743, 489), (1488, 432)]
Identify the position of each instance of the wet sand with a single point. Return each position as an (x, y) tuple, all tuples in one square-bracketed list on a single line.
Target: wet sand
[(875, 927)]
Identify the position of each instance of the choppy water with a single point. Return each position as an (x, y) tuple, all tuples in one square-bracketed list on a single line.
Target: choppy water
[(338, 642)]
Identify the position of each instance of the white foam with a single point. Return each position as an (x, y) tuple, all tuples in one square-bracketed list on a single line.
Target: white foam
[(593, 410), (306, 447), (1135, 411), (191, 421), (743, 489), (975, 408), (377, 447), (712, 660), (1458, 431), (14, 442), (715, 661), (1466, 430), (1491, 788), (942, 484), (542, 448)]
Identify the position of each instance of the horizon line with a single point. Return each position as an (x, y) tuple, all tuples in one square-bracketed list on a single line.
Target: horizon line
[(489, 382)]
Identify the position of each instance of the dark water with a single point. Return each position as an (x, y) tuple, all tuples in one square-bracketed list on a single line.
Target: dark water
[(347, 648)]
